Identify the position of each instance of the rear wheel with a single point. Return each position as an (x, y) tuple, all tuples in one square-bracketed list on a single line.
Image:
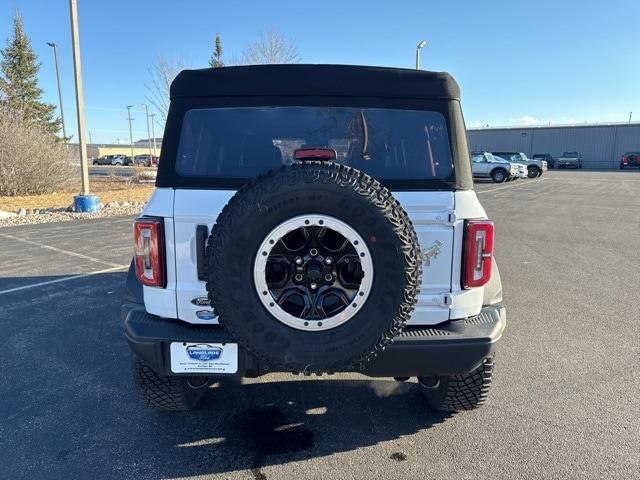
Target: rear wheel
[(499, 175), (533, 172), (167, 392), (455, 393)]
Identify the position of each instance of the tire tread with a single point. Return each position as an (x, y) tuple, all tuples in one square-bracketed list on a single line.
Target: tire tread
[(462, 392), (164, 392)]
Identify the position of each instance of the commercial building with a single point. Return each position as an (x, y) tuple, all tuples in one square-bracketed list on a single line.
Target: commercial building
[(140, 147), (601, 145)]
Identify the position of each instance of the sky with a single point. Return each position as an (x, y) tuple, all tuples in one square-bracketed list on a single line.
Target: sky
[(517, 61)]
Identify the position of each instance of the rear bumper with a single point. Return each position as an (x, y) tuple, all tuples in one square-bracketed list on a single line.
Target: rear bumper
[(457, 346)]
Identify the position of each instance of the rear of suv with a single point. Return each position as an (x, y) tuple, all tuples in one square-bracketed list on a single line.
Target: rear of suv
[(322, 220), (630, 159)]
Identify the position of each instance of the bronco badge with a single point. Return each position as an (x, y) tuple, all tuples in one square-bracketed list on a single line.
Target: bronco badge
[(432, 252)]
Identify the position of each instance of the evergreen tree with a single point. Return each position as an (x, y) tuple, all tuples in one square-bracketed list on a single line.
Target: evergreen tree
[(216, 58), (20, 94)]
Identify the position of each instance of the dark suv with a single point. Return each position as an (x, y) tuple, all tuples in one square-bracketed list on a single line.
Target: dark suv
[(547, 157)]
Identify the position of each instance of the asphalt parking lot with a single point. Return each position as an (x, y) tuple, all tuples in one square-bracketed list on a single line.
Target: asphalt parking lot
[(564, 404)]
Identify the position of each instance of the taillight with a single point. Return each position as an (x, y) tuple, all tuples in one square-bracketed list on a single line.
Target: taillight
[(149, 251), (314, 154), (477, 253)]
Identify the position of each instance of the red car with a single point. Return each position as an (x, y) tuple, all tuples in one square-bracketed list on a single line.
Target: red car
[(630, 159)]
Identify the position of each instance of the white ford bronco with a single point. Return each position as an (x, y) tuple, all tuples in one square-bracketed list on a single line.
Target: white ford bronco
[(313, 219)]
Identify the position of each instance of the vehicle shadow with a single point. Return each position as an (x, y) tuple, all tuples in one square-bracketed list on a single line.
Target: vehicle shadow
[(70, 409), (248, 426)]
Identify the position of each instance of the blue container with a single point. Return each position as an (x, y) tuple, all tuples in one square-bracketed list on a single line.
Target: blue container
[(86, 203)]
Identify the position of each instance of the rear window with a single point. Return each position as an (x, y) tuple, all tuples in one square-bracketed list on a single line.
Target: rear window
[(245, 142)]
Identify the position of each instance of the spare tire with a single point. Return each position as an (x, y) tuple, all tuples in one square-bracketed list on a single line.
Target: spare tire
[(313, 268)]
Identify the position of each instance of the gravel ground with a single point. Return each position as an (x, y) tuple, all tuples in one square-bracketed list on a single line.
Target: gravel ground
[(63, 216)]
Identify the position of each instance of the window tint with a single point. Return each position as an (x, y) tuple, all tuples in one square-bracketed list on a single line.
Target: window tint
[(245, 142)]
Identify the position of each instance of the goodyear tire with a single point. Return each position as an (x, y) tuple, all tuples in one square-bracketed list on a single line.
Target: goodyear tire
[(320, 227)]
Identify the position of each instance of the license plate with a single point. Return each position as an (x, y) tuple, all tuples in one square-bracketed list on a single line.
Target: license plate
[(204, 357)]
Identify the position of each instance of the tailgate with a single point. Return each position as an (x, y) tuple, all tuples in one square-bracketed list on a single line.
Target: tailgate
[(432, 214)]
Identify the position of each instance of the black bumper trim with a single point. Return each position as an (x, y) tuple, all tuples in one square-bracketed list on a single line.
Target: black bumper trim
[(457, 346)]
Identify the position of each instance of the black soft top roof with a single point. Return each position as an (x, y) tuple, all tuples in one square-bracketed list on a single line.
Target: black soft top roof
[(315, 80)]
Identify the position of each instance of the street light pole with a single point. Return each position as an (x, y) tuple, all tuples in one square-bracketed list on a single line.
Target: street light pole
[(419, 47), (55, 58), (77, 68), (146, 110), (153, 133), (130, 130)]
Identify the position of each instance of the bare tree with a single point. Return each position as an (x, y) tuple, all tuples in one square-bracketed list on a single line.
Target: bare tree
[(162, 74), (32, 161), (270, 47)]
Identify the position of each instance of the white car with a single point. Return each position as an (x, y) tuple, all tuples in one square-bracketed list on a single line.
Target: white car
[(535, 167), (120, 160), (485, 165), (522, 168)]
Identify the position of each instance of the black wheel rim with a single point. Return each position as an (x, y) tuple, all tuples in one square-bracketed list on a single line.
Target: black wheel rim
[(313, 273)]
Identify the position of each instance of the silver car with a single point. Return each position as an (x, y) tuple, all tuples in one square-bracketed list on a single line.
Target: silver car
[(485, 165), (535, 168), (522, 168)]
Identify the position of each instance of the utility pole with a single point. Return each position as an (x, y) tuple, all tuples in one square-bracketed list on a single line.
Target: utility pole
[(146, 109), (77, 68), (630, 113), (130, 130), (55, 58), (419, 47), (153, 133)]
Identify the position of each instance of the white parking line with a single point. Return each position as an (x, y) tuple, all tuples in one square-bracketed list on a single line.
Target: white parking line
[(63, 279), (512, 186), (58, 250)]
